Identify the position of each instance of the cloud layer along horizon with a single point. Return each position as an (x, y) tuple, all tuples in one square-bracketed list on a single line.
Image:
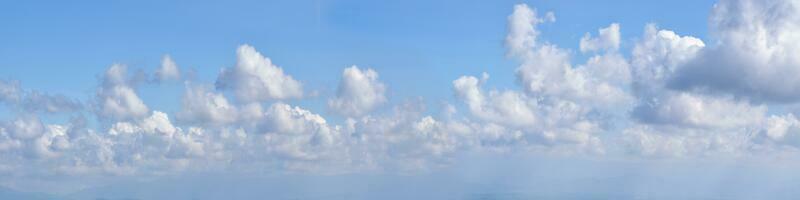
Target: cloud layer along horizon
[(671, 96)]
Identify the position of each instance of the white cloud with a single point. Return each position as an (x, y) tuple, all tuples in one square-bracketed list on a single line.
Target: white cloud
[(606, 104), (754, 54), (256, 78), (522, 32), (783, 129), (655, 59), (29, 138), (168, 70), (203, 107), (691, 110), (670, 123), (406, 140), (26, 128), (297, 133), (158, 123), (9, 91), (553, 124), (507, 107), (553, 112), (283, 118), (35, 101), (658, 56), (116, 99), (359, 92), (546, 71), (608, 39), (611, 68)]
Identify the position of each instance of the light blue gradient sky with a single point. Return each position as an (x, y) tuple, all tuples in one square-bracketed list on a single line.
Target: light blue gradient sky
[(63, 47)]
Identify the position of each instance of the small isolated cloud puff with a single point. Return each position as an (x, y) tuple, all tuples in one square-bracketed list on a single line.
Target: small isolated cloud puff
[(784, 129), (255, 78), (608, 39), (168, 70), (9, 91), (359, 92)]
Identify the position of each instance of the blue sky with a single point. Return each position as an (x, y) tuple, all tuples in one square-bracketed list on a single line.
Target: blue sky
[(435, 42), (455, 99)]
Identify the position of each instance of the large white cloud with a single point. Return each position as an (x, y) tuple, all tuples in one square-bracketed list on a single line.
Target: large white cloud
[(359, 92), (754, 54), (657, 57), (256, 78), (674, 123), (546, 70), (558, 101), (538, 123)]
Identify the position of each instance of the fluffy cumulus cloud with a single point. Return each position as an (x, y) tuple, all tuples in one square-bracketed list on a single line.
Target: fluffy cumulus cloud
[(656, 58), (527, 120), (546, 71), (522, 32), (506, 107), (256, 78), (116, 98), (560, 103), (201, 105), (781, 130), (359, 92), (753, 54), (671, 95), (673, 122)]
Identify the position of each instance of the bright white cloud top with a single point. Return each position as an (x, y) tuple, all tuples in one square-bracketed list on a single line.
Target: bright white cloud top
[(668, 96)]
